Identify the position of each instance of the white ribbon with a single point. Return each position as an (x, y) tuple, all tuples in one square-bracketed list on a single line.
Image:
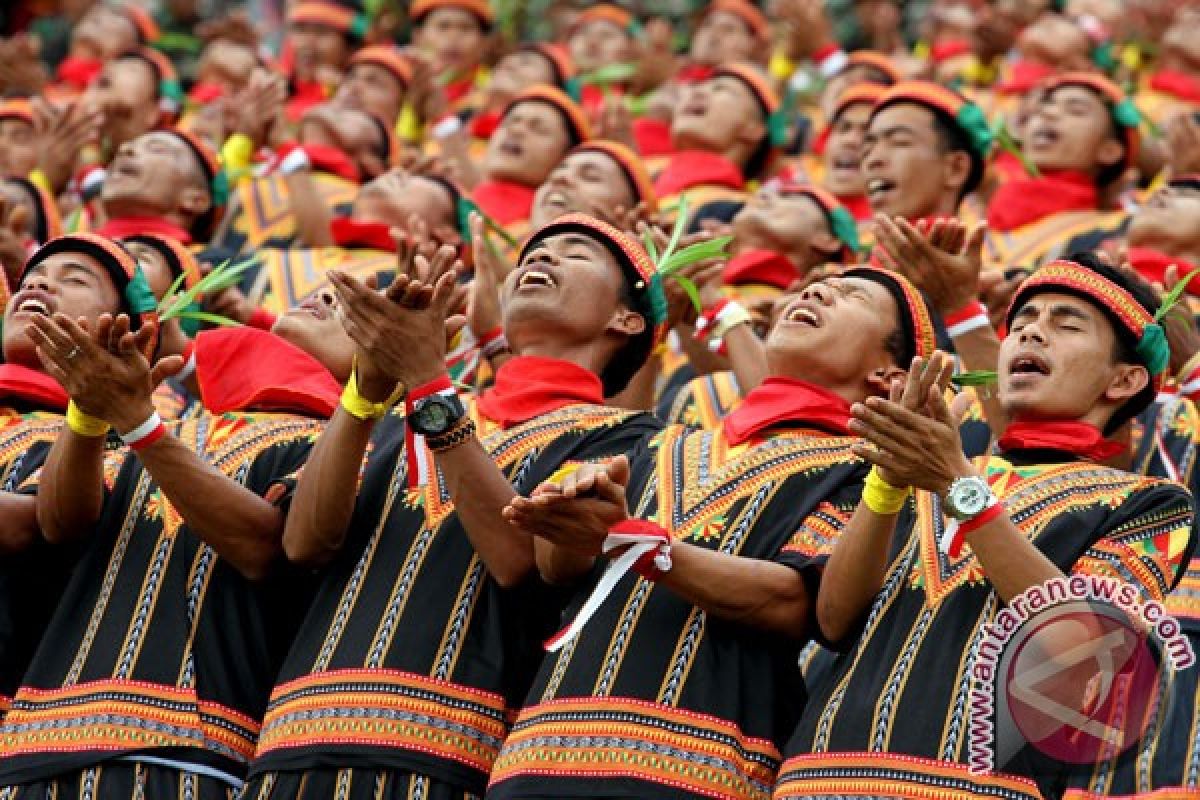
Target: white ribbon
[(639, 545)]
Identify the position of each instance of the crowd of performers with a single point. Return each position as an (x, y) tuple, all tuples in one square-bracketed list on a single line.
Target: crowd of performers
[(533, 401)]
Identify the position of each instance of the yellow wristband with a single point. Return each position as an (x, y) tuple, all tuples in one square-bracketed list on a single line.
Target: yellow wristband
[(39, 179), (360, 407), (84, 424), (880, 496), (237, 152)]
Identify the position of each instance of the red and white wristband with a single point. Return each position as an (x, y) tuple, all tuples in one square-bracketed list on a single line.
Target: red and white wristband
[(145, 434), (414, 443), (717, 320), (970, 317), (648, 554), (952, 538), (493, 343)]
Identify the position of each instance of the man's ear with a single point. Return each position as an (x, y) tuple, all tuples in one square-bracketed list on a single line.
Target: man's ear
[(1126, 382), (827, 244), (195, 201), (371, 164), (957, 170), (880, 381), (1110, 152), (626, 322)]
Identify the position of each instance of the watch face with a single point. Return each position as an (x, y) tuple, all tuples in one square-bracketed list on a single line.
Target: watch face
[(969, 497), (434, 416)]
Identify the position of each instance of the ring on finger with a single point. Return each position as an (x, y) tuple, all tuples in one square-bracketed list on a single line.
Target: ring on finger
[(74, 352)]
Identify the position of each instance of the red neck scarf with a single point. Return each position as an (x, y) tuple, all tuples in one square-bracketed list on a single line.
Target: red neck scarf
[(124, 227), (1177, 84), (325, 159), (1023, 201), (695, 73), (592, 97), (203, 93), (505, 201), (786, 401), (1077, 438), (244, 369), (457, 90), (79, 72), (697, 168), (652, 137), (1024, 76), (484, 124), (32, 387), (858, 206), (760, 266), (529, 386), (1152, 265), (305, 95), (947, 49), (348, 232)]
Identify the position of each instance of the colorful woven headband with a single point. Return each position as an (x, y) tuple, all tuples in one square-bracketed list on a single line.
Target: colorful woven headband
[(841, 222), (170, 91), (749, 14), (1135, 321), (136, 298), (866, 93), (329, 15), (387, 57), (577, 121), (1124, 113), (768, 101), (181, 262), (969, 118), (920, 337), (565, 74), (218, 181), (47, 220), (645, 282), (147, 29), (631, 165), (16, 108), (480, 9), (605, 12), (875, 60)]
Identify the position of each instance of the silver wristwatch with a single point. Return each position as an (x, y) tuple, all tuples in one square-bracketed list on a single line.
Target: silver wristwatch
[(968, 497)]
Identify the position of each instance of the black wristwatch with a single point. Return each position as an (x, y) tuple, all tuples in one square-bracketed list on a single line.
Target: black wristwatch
[(436, 414)]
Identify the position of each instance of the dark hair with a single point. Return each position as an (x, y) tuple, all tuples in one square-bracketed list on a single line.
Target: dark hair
[(632, 355), (1125, 349), (896, 346), (952, 139)]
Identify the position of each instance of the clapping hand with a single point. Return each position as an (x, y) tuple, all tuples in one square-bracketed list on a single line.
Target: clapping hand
[(104, 370), (576, 512)]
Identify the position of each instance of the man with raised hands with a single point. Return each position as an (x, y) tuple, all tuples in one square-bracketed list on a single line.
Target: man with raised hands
[(425, 630), (913, 587), (74, 278), (694, 652), (154, 669)]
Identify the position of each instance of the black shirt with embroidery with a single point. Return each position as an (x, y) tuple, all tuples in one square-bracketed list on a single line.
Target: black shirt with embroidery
[(655, 698), (412, 657), (893, 715), (159, 646), (32, 580)]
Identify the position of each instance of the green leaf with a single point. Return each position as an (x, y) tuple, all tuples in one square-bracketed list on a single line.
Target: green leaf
[(979, 377), (651, 247), (690, 288), (204, 316), (609, 74), (701, 251), (681, 223), (1006, 142), (222, 277), (1172, 297)]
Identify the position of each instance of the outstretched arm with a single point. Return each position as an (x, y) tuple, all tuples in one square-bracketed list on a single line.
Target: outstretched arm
[(574, 519)]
